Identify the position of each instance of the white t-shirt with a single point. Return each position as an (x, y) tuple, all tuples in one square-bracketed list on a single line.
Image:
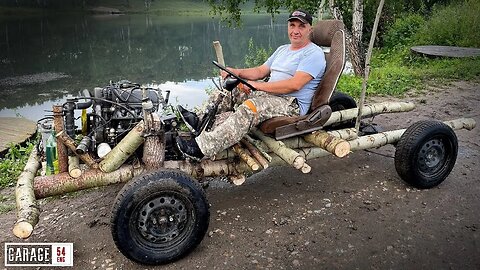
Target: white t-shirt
[(284, 62)]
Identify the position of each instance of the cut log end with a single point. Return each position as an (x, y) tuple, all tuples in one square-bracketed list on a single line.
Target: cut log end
[(298, 163), (237, 179), (23, 230), (342, 149), (75, 173), (306, 168)]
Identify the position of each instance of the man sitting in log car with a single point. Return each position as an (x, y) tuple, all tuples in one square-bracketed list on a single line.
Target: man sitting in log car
[(295, 71)]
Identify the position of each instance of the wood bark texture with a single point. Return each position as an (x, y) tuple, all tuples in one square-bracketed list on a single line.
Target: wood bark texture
[(154, 146), (123, 150), (46, 186), (86, 157), (370, 110), (367, 64), (62, 152), (27, 208)]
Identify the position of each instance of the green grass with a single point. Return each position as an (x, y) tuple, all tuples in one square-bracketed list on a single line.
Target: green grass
[(13, 163), (396, 70), (395, 73)]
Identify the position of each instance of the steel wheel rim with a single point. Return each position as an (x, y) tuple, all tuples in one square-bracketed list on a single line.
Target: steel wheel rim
[(163, 221), (432, 156)]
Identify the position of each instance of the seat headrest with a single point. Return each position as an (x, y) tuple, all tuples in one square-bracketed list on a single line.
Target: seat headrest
[(324, 30)]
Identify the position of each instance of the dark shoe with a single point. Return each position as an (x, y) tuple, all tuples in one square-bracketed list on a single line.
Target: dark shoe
[(190, 148), (190, 118)]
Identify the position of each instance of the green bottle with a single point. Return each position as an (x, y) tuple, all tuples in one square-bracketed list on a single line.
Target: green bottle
[(51, 154)]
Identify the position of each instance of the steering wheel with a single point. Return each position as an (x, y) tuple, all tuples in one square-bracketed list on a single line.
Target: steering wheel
[(233, 75)]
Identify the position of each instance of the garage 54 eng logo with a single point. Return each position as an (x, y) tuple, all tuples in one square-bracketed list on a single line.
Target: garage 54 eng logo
[(38, 254)]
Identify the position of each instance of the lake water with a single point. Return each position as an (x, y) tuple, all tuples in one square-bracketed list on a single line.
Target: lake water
[(44, 59)]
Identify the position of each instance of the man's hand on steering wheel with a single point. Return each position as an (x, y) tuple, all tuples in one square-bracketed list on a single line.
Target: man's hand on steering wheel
[(229, 72)]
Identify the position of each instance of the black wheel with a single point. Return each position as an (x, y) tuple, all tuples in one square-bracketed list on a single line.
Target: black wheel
[(159, 217), (341, 101), (426, 153)]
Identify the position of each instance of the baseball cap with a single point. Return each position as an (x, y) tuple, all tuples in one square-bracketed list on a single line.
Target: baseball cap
[(301, 15)]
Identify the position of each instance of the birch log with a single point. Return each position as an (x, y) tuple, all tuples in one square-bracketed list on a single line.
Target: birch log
[(251, 162), (27, 208), (85, 157), (255, 153), (46, 186), (332, 144), (74, 167), (279, 148), (127, 146), (260, 146), (370, 110)]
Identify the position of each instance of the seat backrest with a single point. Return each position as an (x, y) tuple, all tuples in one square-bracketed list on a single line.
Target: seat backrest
[(329, 33)]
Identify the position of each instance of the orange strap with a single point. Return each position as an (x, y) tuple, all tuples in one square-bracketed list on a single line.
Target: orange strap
[(250, 105)]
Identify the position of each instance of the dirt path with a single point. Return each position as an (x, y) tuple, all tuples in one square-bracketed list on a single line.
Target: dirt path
[(351, 213)]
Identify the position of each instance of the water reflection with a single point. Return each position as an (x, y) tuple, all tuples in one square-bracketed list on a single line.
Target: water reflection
[(89, 51)]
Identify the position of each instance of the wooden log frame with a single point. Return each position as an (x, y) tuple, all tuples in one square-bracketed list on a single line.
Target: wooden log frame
[(45, 186)]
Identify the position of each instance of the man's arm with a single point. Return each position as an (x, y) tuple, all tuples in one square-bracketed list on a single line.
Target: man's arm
[(256, 73), (284, 86)]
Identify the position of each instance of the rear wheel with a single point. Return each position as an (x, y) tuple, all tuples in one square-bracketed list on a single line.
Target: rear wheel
[(159, 217), (426, 153), (341, 101)]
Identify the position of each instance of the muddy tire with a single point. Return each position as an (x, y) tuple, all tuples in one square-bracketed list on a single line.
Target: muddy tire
[(341, 101), (159, 217), (426, 153)]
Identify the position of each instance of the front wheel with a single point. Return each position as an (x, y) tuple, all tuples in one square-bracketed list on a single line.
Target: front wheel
[(159, 217), (426, 153)]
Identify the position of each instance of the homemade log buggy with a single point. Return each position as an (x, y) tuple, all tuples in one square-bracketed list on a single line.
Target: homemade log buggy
[(127, 134)]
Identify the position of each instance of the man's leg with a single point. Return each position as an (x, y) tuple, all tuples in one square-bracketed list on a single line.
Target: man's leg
[(250, 113)]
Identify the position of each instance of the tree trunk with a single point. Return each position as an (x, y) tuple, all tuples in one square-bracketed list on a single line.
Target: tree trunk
[(354, 36), (27, 208)]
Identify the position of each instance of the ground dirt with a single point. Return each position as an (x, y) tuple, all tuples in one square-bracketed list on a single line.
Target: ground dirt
[(350, 213)]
